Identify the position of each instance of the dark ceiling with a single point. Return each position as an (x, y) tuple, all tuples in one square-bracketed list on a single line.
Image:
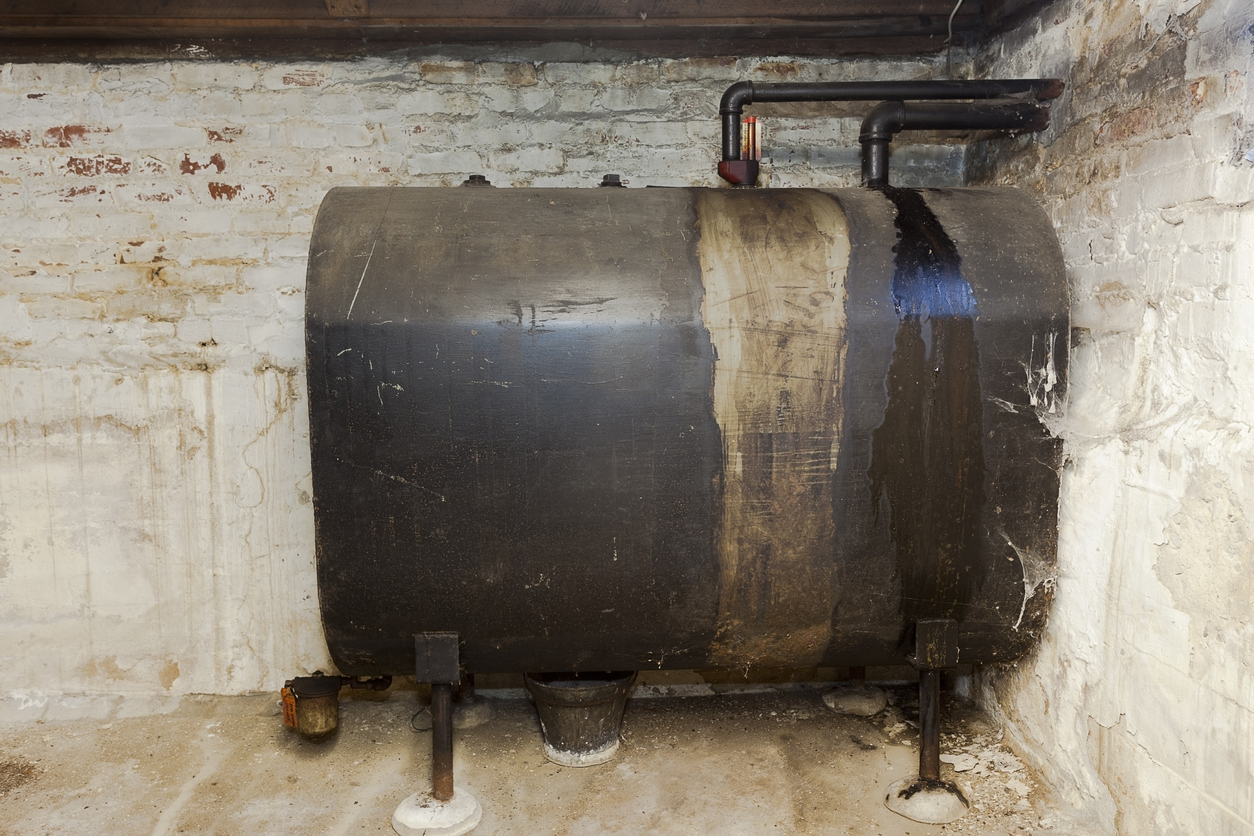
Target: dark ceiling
[(151, 28)]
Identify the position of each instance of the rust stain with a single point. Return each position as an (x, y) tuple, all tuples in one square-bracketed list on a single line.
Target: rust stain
[(774, 275)]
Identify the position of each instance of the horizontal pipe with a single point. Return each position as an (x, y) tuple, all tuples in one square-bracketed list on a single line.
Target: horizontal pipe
[(889, 118), (743, 93)]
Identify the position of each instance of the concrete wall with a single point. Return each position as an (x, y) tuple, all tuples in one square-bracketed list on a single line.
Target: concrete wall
[(156, 533), (1138, 706)]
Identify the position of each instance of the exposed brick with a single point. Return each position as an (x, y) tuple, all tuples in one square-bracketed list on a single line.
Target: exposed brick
[(213, 163), (509, 75), (95, 166), (151, 165), (700, 69), (637, 74), (1125, 126), (278, 78), (153, 194), (14, 139), (75, 136), (242, 193), (85, 194), (775, 71), (447, 72), (224, 134)]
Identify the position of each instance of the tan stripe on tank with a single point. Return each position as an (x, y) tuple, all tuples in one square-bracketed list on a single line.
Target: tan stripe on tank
[(774, 265)]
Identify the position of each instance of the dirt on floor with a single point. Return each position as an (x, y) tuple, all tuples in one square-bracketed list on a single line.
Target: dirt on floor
[(731, 763)]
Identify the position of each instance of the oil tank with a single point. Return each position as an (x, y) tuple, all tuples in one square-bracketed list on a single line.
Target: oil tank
[(622, 429)]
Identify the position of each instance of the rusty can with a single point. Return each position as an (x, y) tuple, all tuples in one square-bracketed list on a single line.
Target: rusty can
[(316, 706)]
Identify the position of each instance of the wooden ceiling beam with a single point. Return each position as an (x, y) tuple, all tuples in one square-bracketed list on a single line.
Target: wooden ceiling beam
[(659, 27)]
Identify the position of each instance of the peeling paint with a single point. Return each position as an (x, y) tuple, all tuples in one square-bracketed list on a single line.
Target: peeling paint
[(777, 320)]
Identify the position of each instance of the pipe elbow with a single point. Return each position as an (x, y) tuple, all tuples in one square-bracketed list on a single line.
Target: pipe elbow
[(884, 120), (736, 97)]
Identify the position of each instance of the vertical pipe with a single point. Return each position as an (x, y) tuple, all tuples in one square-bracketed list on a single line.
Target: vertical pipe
[(875, 162), (442, 742), (929, 725)]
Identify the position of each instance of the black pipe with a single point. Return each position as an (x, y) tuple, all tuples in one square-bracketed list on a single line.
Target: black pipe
[(929, 725), (746, 92), (888, 118), (442, 742)]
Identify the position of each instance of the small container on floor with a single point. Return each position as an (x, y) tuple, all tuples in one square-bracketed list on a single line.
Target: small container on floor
[(580, 714)]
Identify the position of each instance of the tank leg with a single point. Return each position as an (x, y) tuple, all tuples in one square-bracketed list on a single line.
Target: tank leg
[(925, 797), (929, 725), (442, 742), (443, 811)]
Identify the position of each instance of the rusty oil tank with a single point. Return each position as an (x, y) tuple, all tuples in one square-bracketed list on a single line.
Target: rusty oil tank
[(622, 429)]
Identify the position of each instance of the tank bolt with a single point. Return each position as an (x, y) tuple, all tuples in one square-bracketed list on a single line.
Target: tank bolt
[(613, 180), (476, 180)]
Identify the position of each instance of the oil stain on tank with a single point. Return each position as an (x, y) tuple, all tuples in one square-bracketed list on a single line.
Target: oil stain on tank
[(927, 458)]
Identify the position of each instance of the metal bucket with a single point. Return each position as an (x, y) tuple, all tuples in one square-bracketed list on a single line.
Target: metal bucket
[(580, 714)]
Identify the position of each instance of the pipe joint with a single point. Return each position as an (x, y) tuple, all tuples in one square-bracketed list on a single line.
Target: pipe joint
[(736, 97)]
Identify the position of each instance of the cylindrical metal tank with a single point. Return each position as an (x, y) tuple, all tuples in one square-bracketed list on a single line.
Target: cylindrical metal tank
[(618, 429)]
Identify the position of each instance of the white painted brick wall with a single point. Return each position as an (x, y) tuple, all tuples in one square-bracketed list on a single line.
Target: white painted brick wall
[(1139, 707), (156, 534)]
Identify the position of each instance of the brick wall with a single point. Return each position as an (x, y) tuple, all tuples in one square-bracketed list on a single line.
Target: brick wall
[(1139, 705)]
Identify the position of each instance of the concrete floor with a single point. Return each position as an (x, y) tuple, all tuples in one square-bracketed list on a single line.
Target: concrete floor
[(732, 763)]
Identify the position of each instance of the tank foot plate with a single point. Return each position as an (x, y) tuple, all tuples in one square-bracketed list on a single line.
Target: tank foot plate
[(422, 815), (926, 800), (858, 700)]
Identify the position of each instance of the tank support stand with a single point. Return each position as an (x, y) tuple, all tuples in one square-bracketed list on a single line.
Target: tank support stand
[(925, 797), (444, 811)]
